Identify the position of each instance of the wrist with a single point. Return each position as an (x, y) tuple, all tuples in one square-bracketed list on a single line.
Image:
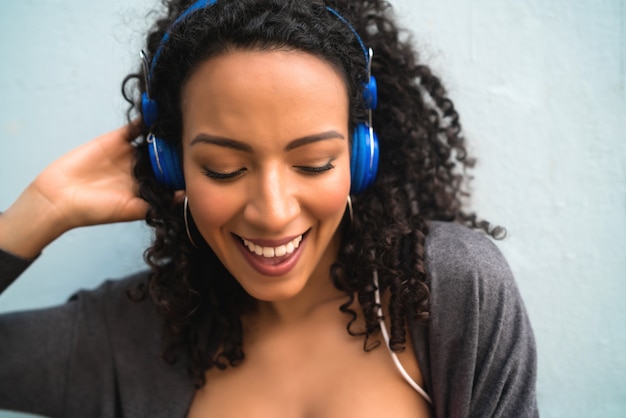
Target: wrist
[(29, 225)]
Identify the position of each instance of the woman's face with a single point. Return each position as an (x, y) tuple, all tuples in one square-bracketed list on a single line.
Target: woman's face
[(267, 166)]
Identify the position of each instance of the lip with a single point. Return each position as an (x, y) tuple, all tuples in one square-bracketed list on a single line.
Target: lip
[(273, 266)]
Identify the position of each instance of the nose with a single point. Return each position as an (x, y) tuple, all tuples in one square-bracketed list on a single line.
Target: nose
[(273, 203)]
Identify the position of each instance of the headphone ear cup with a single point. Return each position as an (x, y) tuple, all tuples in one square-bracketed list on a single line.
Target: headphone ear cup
[(165, 163), (364, 159)]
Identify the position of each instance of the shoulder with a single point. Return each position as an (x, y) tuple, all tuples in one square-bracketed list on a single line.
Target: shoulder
[(131, 333), (470, 283), (464, 262), (456, 246), (114, 288), (482, 353), (111, 301)]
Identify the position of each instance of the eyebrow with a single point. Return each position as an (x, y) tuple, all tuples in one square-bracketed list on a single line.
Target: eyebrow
[(313, 138), (220, 141), (242, 146)]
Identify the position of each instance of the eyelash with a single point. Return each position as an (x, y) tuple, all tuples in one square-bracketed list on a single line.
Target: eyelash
[(215, 175), (316, 170)]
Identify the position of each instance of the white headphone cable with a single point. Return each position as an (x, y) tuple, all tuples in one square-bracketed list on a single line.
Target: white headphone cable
[(396, 360)]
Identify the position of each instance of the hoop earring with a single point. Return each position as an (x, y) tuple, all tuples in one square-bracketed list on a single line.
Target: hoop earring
[(185, 217), (350, 212)]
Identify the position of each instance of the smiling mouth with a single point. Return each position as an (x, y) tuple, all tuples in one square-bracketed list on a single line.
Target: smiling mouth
[(270, 252), (273, 259)]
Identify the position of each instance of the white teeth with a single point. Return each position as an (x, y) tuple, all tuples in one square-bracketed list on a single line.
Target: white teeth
[(279, 251)]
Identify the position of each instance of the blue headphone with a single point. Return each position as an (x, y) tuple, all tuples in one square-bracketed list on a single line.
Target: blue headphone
[(164, 157)]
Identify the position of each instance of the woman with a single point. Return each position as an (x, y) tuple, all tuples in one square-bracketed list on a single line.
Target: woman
[(284, 246)]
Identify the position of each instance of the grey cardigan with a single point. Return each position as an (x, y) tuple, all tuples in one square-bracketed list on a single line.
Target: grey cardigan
[(98, 354)]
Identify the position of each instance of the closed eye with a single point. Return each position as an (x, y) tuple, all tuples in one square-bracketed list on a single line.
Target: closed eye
[(216, 175), (315, 169)]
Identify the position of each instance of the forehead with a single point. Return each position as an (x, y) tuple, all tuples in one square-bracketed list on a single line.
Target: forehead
[(271, 70), (290, 90)]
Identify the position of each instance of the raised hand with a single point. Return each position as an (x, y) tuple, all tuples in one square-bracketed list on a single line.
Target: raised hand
[(90, 185)]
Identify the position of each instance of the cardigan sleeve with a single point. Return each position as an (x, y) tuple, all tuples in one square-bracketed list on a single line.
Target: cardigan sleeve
[(481, 348), (43, 352), (11, 267), (98, 355)]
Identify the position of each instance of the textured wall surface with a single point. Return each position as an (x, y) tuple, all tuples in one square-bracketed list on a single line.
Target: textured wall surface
[(541, 89)]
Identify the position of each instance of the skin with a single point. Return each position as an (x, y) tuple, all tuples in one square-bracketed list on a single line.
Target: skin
[(91, 185), (300, 361), (288, 111)]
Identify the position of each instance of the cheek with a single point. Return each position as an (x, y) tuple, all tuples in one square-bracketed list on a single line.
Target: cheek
[(210, 207), (330, 199)]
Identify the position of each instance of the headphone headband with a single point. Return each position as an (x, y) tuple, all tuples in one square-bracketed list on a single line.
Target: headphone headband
[(201, 4), (166, 162)]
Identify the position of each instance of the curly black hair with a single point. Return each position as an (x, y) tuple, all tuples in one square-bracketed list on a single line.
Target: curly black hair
[(423, 165)]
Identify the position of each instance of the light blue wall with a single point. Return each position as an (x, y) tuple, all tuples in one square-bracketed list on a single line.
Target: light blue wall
[(541, 88)]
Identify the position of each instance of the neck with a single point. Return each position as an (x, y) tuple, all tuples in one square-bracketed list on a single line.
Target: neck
[(303, 306)]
